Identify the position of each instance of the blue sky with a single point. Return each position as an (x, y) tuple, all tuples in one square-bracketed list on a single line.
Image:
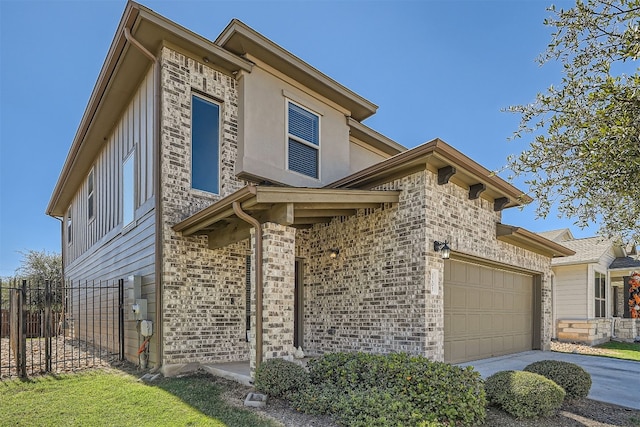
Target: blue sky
[(435, 68)]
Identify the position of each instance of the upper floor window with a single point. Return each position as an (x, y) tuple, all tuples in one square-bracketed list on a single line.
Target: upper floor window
[(69, 223), (205, 145), (128, 189), (303, 139), (90, 196), (600, 300)]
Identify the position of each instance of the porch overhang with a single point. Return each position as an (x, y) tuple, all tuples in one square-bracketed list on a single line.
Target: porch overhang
[(526, 239), (296, 207)]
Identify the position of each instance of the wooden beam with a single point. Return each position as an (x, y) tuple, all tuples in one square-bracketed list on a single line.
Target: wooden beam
[(475, 190), (236, 231), (500, 203), (344, 205), (306, 213), (445, 173), (282, 213), (314, 220)]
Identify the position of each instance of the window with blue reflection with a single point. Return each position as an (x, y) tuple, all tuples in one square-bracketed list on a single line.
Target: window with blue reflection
[(205, 145)]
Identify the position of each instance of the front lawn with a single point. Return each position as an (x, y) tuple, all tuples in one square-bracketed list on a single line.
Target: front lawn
[(115, 398), (622, 350)]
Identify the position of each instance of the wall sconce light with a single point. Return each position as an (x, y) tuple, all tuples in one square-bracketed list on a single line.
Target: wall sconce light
[(333, 254), (442, 247)]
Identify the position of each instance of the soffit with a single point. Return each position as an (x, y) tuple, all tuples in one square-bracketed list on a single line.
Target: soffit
[(526, 239), (435, 155), (123, 70), (296, 207), (241, 39)]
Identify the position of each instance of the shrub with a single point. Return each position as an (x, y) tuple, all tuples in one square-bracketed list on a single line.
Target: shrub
[(524, 394), (575, 381), (280, 378), (447, 393), (318, 399)]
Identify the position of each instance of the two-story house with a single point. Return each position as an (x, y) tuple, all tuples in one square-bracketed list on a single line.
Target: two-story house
[(253, 211)]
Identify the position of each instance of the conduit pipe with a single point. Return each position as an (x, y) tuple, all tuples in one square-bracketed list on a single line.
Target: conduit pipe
[(157, 189), (258, 257)]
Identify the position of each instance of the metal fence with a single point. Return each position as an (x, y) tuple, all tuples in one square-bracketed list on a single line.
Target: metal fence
[(59, 327)]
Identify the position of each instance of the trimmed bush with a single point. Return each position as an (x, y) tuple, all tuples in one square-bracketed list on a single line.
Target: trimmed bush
[(429, 391), (280, 378), (575, 381), (524, 394)]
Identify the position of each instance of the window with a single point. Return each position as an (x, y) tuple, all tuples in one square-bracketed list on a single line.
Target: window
[(205, 145), (90, 198), (600, 301), (69, 223), (303, 135), (128, 189)]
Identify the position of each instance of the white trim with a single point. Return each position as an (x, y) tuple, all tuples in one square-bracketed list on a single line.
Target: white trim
[(300, 140), (131, 155), (91, 193)]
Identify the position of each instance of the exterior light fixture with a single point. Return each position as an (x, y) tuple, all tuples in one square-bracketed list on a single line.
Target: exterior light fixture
[(442, 247), (333, 254)]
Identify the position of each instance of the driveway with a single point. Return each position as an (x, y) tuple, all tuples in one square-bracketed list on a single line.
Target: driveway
[(613, 380)]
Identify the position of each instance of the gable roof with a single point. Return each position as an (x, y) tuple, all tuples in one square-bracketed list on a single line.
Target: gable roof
[(435, 155), (560, 235), (587, 250)]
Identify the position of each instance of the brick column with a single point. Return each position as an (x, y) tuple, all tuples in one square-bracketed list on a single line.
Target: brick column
[(278, 248)]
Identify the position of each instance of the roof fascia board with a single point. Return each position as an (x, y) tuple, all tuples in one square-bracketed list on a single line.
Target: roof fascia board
[(250, 38), (115, 51), (229, 60), (531, 241), (435, 148), (373, 138)]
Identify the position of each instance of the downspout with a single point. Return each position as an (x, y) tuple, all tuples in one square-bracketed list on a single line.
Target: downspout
[(258, 257), (61, 246), (157, 188)]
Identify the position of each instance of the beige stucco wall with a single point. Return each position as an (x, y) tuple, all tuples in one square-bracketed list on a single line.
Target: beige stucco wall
[(262, 130)]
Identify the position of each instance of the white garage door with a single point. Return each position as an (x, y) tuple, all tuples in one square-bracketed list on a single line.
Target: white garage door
[(487, 311)]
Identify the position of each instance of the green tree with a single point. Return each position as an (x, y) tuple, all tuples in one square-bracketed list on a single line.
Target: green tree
[(584, 157), (39, 266)]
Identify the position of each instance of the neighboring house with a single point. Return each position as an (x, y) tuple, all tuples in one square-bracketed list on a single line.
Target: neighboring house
[(188, 146), (589, 294)]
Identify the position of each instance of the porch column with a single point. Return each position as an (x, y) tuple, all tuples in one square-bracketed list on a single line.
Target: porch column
[(278, 272)]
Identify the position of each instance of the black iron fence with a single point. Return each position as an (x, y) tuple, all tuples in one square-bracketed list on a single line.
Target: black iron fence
[(59, 326)]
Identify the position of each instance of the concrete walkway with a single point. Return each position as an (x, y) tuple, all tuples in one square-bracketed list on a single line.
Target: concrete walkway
[(613, 380)]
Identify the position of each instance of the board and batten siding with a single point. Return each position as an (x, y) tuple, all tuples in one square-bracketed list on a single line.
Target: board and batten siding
[(571, 292), (103, 249)]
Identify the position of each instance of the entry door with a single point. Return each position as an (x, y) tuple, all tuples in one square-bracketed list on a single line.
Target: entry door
[(298, 308)]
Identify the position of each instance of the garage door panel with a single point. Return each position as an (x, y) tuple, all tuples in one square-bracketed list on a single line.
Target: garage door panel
[(488, 311)]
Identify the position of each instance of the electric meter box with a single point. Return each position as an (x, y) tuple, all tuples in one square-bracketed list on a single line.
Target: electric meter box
[(146, 328)]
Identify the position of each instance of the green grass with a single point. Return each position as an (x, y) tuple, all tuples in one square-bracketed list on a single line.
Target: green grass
[(622, 350), (113, 398)]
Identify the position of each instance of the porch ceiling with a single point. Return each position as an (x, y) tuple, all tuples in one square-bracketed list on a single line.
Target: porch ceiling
[(297, 207)]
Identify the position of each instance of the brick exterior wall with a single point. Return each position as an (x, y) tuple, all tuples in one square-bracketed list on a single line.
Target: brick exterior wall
[(203, 290), (278, 292), (376, 296), (627, 329)]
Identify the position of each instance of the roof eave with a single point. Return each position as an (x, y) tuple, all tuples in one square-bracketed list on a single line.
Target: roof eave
[(374, 138), (437, 154), (526, 239), (241, 39), (151, 30)]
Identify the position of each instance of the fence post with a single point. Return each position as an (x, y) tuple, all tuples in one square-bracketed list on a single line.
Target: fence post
[(47, 325), (121, 317), (22, 347)]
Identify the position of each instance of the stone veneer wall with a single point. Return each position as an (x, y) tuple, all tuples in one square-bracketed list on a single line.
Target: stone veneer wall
[(627, 329), (587, 331), (375, 296), (203, 290)]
